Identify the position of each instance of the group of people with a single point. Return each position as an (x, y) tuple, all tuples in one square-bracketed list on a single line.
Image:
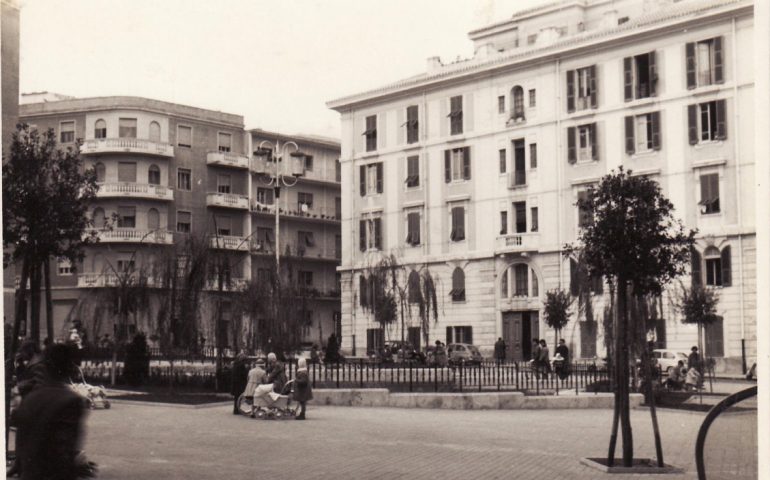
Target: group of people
[(541, 360), (688, 376), (268, 380)]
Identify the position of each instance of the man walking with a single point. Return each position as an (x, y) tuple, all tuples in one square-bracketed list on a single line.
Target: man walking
[(500, 350), (535, 361)]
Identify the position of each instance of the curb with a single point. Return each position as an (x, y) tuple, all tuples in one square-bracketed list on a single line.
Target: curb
[(120, 401)]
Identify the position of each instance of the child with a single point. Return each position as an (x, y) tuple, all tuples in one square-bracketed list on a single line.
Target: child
[(303, 392)]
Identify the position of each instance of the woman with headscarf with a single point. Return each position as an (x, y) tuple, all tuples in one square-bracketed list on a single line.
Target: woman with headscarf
[(303, 392)]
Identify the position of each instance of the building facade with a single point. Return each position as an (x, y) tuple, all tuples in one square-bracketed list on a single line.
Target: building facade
[(170, 177), (472, 170)]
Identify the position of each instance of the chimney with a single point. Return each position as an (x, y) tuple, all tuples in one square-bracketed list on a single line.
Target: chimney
[(434, 64)]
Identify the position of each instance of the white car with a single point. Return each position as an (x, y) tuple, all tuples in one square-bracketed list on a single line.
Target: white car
[(669, 359)]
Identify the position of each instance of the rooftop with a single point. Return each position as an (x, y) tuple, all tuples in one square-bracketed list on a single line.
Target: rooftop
[(316, 140)]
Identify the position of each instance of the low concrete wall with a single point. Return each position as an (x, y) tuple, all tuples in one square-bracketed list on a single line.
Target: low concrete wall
[(381, 397)]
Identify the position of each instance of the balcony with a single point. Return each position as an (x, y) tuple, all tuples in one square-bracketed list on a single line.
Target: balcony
[(134, 190), (126, 145), (228, 159), (312, 215), (106, 280), (315, 253), (517, 179), (228, 285), (227, 200), (136, 235), (517, 242), (229, 242)]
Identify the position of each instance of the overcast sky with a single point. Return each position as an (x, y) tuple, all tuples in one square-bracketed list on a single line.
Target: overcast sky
[(276, 62)]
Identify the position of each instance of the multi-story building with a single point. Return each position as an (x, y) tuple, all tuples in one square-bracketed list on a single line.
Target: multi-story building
[(169, 174), (472, 170)]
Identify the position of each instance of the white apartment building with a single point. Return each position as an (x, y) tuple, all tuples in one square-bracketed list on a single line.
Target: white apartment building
[(472, 169)]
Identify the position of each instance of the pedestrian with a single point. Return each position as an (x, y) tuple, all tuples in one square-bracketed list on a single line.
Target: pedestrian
[(693, 361), (500, 350), (50, 424), (562, 353), (563, 350), (314, 357), (276, 373), (256, 377), (535, 361), (303, 392), (239, 372), (545, 358)]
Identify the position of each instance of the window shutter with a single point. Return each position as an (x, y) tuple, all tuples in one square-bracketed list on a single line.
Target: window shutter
[(379, 177), (653, 75), (460, 223), (695, 267), (655, 120), (362, 292), (362, 235), (574, 287), (705, 189), (447, 166), (467, 163), (726, 267), (692, 123), (719, 76), (630, 146), (689, 52), (571, 151), (362, 179), (721, 120), (414, 228), (628, 80), (592, 83), (594, 143), (378, 233), (570, 91)]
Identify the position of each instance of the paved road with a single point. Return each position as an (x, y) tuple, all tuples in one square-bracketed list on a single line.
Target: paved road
[(138, 441)]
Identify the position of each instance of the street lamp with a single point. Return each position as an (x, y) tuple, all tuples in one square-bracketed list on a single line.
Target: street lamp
[(276, 177)]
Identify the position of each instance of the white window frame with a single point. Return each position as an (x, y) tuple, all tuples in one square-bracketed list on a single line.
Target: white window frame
[(456, 164), (704, 74), (583, 143), (710, 113), (371, 179), (643, 133)]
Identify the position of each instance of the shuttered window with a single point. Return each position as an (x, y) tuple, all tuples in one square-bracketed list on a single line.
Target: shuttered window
[(457, 164), (127, 128), (225, 141), (458, 285), (517, 100), (67, 132), (412, 124), (704, 62), (695, 267), (126, 217), (581, 89), (413, 228), (709, 193), (520, 216), (413, 171), (639, 76), (520, 280), (371, 133), (642, 133), (533, 155), (456, 115), (707, 122), (715, 338), (183, 221), (184, 136), (458, 224)]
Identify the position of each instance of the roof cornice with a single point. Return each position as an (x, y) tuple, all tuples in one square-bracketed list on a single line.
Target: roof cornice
[(328, 143)]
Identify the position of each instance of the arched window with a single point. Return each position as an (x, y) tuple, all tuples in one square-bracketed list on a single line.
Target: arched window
[(99, 168), (154, 132), (153, 219), (517, 100), (718, 266), (100, 129), (153, 175), (414, 287), (98, 218), (519, 280), (458, 285)]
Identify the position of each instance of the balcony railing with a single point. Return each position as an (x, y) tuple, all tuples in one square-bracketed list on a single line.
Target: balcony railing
[(229, 242), (228, 285), (517, 178), (317, 252), (326, 214), (228, 159), (134, 190), (517, 242), (227, 200), (126, 145), (102, 280), (136, 235)]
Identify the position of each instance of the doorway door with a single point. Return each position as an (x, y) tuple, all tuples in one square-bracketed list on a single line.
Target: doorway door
[(519, 328)]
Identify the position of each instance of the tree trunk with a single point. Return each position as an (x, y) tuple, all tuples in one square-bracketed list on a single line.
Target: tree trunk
[(48, 300), (623, 379), (21, 308), (653, 412), (35, 301)]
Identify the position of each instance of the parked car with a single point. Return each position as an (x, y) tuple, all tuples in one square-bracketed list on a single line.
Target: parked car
[(668, 359), (463, 353)]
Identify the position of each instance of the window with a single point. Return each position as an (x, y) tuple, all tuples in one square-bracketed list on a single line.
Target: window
[(64, 267), (153, 219), (338, 208), (588, 332), (370, 234), (305, 199), (578, 278), (265, 195), (713, 267), (503, 160), (517, 100), (519, 163), (309, 163), (127, 127), (533, 155), (413, 228), (458, 285), (642, 133), (714, 338), (584, 215), (581, 89), (67, 132), (223, 184), (153, 175), (413, 171), (707, 122), (126, 217), (533, 216), (704, 63), (100, 129), (457, 164), (459, 335), (223, 224), (371, 133), (264, 238), (184, 136), (458, 224), (503, 223), (100, 172), (520, 280), (305, 239), (337, 170), (581, 143), (127, 172), (639, 76), (125, 264), (338, 247), (183, 221), (304, 279), (413, 287), (520, 216), (370, 179), (98, 218), (412, 124), (225, 142), (501, 104), (532, 98), (375, 339), (709, 193), (154, 132), (718, 267), (183, 179), (456, 115)]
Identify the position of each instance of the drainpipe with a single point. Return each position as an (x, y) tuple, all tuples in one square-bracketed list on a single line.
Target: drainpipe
[(558, 168), (422, 136), (352, 234)]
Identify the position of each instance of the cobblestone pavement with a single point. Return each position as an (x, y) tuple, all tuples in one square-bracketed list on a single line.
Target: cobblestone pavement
[(138, 441)]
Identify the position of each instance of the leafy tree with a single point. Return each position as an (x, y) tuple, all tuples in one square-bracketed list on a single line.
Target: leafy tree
[(630, 237), (556, 310), (46, 194), (698, 306)]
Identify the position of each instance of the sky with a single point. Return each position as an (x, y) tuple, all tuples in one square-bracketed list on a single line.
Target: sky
[(276, 62)]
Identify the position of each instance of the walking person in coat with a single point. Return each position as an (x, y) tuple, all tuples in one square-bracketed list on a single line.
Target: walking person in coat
[(240, 372), (500, 350), (545, 358), (535, 361), (303, 392)]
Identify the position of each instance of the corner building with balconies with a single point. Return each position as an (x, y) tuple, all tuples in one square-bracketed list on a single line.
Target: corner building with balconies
[(472, 170), (167, 174)]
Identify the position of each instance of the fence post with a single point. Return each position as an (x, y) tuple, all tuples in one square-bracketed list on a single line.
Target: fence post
[(338, 374), (361, 372), (410, 377), (435, 377), (481, 373)]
